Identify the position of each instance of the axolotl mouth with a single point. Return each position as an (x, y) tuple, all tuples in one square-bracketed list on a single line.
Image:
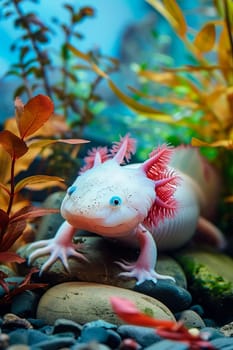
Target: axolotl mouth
[(110, 224)]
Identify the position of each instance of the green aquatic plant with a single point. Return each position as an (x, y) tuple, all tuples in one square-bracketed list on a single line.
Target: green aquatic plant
[(72, 87)]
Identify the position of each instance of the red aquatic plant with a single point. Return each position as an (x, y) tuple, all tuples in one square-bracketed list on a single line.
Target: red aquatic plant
[(20, 143), (176, 331)]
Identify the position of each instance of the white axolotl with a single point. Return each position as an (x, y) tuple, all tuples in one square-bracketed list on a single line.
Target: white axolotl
[(149, 203)]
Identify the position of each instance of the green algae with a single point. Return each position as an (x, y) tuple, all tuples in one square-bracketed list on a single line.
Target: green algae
[(210, 279)]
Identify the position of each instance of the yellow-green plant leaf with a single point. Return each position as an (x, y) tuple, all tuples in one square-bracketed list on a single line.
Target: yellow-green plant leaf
[(221, 143), (138, 107), (170, 10), (225, 54), (44, 143), (36, 179), (205, 38), (167, 99), (166, 78), (175, 11)]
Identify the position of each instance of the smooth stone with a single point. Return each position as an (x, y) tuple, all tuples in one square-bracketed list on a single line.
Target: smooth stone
[(166, 265), (62, 325), (101, 268), (227, 329), (210, 281), (174, 297), (198, 309), (90, 346), (168, 345), (213, 333), (4, 341), (27, 336), (191, 319), (100, 323), (54, 343), (144, 336), (49, 224), (100, 335), (224, 343), (25, 304), (84, 302)]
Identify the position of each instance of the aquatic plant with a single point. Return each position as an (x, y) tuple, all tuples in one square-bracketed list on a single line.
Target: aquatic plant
[(168, 329), (73, 87), (20, 143)]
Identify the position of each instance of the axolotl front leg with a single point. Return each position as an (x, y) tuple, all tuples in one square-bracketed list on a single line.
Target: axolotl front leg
[(60, 247), (144, 267)]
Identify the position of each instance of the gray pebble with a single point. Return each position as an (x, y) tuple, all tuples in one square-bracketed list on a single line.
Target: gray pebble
[(25, 304), (174, 297), (27, 336), (54, 343), (212, 333), (168, 345), (223, 343), (191, 319), (142, 335), (62, 325)]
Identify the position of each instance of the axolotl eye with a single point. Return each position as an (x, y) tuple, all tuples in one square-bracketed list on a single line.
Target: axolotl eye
[(115, 201), (71, 190)]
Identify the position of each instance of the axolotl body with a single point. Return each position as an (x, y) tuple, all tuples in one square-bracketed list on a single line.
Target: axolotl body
[(152, 204)]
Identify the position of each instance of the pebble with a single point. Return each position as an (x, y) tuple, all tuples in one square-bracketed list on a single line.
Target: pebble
[(62, 325), (223, 343), (144, 336), (27, 337), (191, 319), (227, 329), (168, 345), (213, 333), (173, 296), (84, 302), (100, 335), (25, 304)]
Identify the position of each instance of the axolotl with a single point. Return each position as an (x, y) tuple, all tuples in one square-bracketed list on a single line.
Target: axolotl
[(152, 204)]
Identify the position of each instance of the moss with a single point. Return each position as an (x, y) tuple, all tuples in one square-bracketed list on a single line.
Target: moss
[(208, 271), (148, 311)]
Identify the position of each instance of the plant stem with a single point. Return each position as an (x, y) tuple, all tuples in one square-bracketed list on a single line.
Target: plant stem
[(12, 190), (36, 48), (228, 25)]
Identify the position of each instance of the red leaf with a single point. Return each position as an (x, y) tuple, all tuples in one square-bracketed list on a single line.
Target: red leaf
[(10, 257), (14, 231), (128, 312), (12, 144), (33, 115), (31, 212)]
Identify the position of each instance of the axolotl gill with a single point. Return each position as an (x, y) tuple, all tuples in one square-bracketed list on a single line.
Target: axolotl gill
[(153, 204)]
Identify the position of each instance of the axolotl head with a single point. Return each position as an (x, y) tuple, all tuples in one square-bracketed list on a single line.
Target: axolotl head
[(111, 200)]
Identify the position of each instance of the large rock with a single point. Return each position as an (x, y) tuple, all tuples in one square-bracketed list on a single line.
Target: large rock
[(210, 280), (102, 255), (84, 302)]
